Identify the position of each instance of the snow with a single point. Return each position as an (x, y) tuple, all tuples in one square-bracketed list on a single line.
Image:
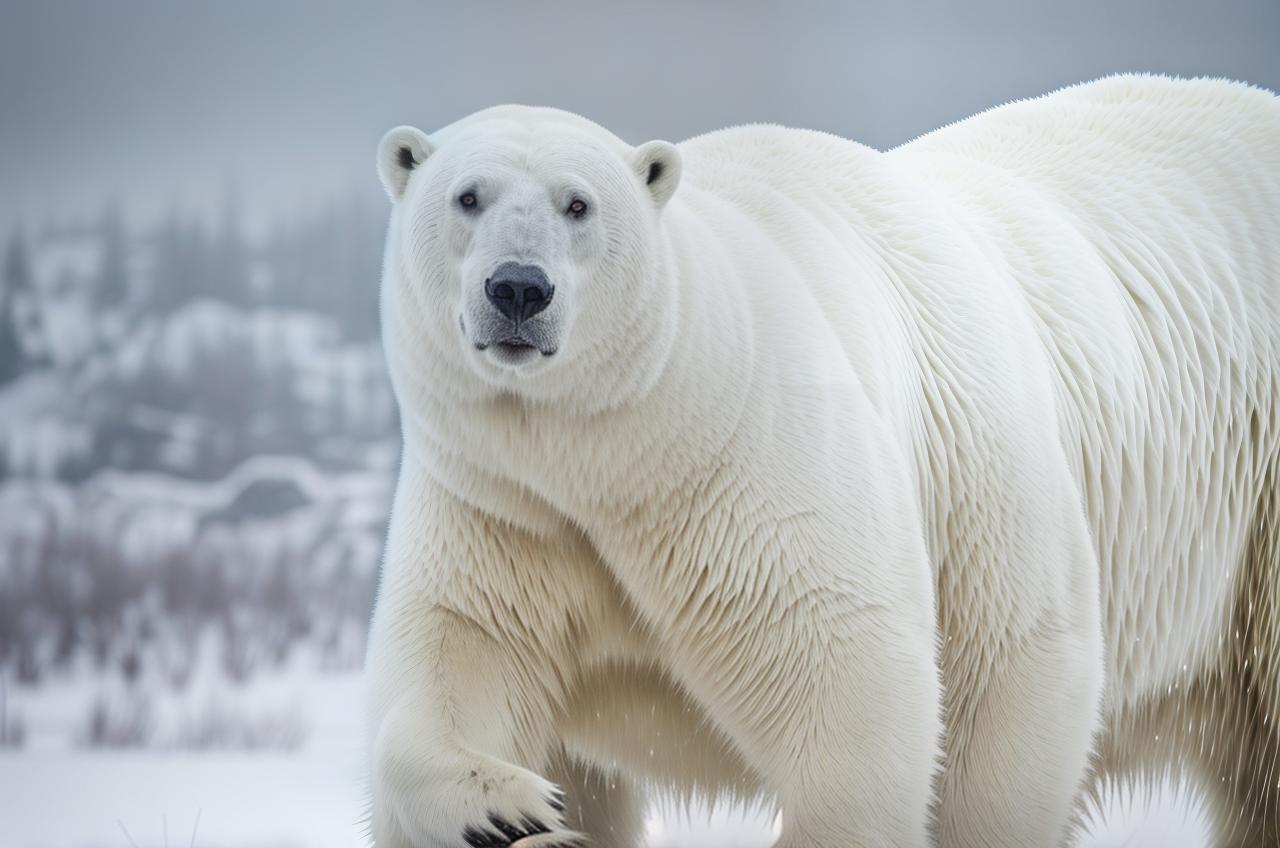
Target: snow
[(36, 435), (193, 498), (57, 796)]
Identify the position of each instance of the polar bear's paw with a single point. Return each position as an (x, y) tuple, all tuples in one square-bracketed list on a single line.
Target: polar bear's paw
[(552, 840), (433, 801), (532, 839), (526, 833), (523, 814)]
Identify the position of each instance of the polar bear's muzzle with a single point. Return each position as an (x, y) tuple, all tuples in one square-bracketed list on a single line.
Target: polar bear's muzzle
[(519, 291), (512, 325)]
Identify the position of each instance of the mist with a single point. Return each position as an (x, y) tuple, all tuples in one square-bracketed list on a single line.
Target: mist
[(165, 105)]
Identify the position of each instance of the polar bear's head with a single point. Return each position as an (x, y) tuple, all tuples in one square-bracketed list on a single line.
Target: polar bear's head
[(525, 254)]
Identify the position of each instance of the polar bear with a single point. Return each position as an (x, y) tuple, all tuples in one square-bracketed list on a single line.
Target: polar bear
[(914, 491)]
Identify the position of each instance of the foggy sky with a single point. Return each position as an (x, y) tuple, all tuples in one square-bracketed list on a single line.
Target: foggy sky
[(160, 104)]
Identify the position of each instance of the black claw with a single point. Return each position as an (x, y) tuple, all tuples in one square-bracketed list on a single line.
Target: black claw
[(477, 838), (507, 832), (556, 802), (528, 827), (505, 827)]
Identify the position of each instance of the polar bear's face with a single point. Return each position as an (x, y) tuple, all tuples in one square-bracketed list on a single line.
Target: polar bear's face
[(527, 238)]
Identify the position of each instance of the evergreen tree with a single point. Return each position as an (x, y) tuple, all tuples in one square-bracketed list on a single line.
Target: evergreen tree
[(330, 262), (230, 258), (111, 288), (16, 288), (181, 269)]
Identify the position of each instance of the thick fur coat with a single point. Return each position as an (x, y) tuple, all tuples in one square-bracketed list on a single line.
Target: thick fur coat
[(913, 490)]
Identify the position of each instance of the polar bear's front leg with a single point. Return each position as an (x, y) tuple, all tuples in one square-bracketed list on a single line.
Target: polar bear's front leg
[(1024, 690), (839, 715), (445, 753), (467, 652), (843, 721), (811, 651)]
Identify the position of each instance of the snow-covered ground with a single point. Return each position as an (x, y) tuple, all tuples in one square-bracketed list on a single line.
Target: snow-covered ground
[(194, 484), (55, 795)]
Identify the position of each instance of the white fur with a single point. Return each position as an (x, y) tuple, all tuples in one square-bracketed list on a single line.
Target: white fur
[(835, 444)]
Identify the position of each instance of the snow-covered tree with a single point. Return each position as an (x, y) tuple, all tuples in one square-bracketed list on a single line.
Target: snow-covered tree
[(111, 288), (16, 294)]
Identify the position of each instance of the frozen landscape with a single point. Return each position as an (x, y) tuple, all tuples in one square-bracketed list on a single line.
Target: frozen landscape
[(197, 438), (313, 795), (197, 446)]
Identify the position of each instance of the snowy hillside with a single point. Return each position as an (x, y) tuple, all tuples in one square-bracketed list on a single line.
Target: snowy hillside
[(197, 443), (197, 448)]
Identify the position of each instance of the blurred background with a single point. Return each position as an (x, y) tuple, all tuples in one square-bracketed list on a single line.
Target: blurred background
[(197, 439)]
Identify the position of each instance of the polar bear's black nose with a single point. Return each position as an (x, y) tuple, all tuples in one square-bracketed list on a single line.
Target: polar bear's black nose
[(519, 291)]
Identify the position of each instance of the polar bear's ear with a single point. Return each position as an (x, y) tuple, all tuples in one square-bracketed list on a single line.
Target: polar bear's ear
[(400, 151), (658, 164)]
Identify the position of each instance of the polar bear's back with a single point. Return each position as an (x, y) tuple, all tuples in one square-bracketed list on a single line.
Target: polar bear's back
[(1158, 119), (1187, 170), (1140, 216)]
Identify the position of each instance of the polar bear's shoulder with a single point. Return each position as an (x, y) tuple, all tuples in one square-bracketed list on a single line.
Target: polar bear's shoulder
[(736, 160)]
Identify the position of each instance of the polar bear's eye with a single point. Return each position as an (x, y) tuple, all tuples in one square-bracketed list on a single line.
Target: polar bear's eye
[(578, 207), (467, 200)]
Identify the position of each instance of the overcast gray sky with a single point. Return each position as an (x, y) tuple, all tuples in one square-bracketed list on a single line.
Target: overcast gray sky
[(158, 103)]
